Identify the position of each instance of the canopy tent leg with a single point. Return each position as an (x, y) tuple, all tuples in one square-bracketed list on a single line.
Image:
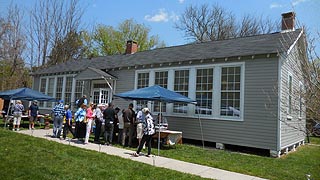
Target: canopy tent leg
[(200, 124)]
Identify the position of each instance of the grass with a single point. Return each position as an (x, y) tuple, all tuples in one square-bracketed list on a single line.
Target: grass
[(306, 160), (26, 157), (295, 165)]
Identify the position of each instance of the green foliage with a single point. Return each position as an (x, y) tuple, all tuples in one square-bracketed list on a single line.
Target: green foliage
[(107, 40)]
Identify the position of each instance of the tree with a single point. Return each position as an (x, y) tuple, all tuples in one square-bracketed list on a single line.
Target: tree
[(13, 73), (202, 23), (110, 40), (52, 24), (65, 49)]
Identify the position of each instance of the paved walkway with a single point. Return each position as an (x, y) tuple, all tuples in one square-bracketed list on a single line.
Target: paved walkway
[(199, 170)]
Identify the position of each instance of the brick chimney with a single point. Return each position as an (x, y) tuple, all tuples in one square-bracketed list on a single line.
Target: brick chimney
[(288, 21), (132, 47)]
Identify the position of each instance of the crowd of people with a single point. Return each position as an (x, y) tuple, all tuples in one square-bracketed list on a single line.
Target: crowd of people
[(109, 124)]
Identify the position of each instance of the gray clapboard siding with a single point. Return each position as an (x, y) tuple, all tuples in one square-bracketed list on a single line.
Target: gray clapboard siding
[(125, 82), (289, 128), (36, 83), (259, 128)]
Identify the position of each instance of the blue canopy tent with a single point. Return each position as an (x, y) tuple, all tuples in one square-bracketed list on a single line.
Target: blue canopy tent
[(155, 93), (24, 94)]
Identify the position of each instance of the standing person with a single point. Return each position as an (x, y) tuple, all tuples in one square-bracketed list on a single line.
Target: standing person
[(128, 119), (140, 121), (33, 113), (58, 112), (115, 125), (109, 116), (89, 116), (148, 131), (120, 126), (17, 114), (98, 120), (80, 117), (68, 124)]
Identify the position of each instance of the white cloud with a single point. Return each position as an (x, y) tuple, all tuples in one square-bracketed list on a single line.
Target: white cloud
[(161, 16), (275, 5), (181, 1), (296, 2)]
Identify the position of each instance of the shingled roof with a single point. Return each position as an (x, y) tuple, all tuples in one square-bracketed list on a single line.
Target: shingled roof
[(245, 46)]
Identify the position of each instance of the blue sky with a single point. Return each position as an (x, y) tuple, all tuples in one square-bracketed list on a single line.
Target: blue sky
[(160, 15)]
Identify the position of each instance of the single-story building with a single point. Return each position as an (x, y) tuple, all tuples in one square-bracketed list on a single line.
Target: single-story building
[(245, 87)]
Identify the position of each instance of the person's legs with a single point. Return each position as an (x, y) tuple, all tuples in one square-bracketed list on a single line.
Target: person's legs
[(131, 133), (143, 140), (18, 121), (88, 131), (55, 126), (71, 130), (65, 130), (148, 142), (59, 128), (97, 131), (111, 133), (15, 120), (120, 136), (124, 133), (77, 129)]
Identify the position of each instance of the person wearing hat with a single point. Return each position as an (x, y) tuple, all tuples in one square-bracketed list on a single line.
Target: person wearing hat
[(33, 113), (98, 121), (68, 124), (148, 131), (140, 123), (58, 112), (17, 114)]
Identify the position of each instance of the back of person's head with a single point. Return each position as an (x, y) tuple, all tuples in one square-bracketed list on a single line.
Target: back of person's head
[(131, 105), (19, 102), (109, 104), (83, 106)]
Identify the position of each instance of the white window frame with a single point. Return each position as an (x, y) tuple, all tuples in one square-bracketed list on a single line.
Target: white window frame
[(192, 90)]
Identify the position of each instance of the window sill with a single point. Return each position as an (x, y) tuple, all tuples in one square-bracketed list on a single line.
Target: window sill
[(289, 117)]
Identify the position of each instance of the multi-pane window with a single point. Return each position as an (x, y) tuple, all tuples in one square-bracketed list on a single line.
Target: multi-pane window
[(204, 90), (68, 90), (230, 91), (43, 84), (78, 89), (143, 81), (181, 85), (161, 79), (59, 88), (50, 91)]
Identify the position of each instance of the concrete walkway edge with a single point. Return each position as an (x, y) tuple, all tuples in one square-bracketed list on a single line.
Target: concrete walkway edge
[(181, 166)]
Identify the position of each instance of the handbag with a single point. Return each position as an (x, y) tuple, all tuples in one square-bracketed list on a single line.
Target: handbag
[(85, 120)]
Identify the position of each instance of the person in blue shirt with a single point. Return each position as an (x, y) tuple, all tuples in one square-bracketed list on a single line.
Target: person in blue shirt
[(58, 112), (68, 123), (33, 113), (80, 117)]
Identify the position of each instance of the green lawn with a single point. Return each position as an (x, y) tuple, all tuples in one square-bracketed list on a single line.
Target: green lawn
[(295, 165), (26, 157)]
